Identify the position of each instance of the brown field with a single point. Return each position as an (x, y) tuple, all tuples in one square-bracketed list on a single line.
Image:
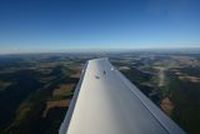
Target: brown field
[(190, 78), (58, 98), (167, 106), (63, 90), (54, 104)]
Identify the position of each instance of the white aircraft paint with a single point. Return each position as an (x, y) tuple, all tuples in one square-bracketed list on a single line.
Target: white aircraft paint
[(105, 102)]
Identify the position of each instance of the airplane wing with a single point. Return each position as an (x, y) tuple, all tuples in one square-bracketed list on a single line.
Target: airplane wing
[(105, 102)]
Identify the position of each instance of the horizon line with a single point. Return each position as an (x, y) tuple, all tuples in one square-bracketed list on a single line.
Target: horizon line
[(94, 50)]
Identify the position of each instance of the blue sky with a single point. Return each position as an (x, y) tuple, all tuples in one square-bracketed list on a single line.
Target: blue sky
[(61, 25)]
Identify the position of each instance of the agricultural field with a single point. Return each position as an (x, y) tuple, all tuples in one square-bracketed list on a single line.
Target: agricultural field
[(171, 81), (35, 92), (36, 89)]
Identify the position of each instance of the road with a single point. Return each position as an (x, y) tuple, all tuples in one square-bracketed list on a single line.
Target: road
[(106, 102)]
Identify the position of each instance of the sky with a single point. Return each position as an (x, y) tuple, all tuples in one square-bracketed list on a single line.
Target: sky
[(65, 25)]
